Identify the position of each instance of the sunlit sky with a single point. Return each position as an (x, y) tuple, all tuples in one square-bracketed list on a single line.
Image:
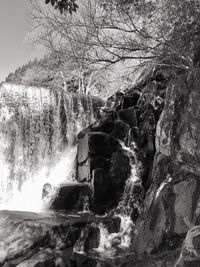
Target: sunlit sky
[(14, 25)]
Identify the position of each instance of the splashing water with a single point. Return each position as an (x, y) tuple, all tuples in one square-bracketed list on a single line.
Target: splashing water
[(109, 243), (86, 204), (131, 199), (133, 190), (38, 131), (29, 196)]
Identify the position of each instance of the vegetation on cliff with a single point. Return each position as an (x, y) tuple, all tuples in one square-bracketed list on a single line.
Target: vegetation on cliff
[(102, 45)]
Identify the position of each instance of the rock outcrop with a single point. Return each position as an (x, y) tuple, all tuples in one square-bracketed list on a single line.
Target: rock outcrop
[(171, 206), (71, 197), (47, 239)]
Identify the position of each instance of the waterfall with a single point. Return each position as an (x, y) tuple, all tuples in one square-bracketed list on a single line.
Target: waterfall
[(129, 204), (38, 129), (133, 191)]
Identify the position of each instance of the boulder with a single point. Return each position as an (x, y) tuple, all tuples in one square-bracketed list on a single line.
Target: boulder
[(120, 130), (115, 102), (130, 116), (94, 151), (84, 174), (44, 258), (82, 154), (104, 197), (88, 240), (102, 144), (190, 253), (30, 239), (131, 99), (170, 207), (47, 239), (70, 196), (102, 125), (120, 170)]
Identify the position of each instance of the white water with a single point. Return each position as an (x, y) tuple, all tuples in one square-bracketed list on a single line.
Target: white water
[(38, 131), (109, 243), (129, 197), (29, 196)]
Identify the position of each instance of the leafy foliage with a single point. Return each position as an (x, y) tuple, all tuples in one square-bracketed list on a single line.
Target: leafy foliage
[(63, 5)]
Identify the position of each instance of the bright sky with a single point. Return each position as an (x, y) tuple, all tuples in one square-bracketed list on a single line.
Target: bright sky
[(14, 25)]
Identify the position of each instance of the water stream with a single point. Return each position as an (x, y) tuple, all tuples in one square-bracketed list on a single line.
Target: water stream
[(38, 130), (130, 202)]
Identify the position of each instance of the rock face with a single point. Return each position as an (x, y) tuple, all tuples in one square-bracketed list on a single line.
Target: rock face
[(47, 239), (190, 253), (102, 160), (71, 197), (103, 163), (171, 205), (178, 130)]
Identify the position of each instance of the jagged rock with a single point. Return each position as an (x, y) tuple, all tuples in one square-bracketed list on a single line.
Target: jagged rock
[(70, 196), (94, 151), (115, 102), (120, 169), (179, 126), (171, 206), (88, 240), (130, 116), (131, 99), (120, 130), (112, 223), (102, 125), (84, 174), (38, 237), (190, 253), (98, 143), (104, 197), (43, 258), (47, 239), (102, 144), (83, 149), (107, 113)]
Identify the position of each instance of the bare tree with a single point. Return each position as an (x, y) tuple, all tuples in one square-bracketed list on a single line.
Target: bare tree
[(131, 33)]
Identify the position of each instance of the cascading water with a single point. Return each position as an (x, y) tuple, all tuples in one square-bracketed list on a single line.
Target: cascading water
[(130, 202), (38, 131)]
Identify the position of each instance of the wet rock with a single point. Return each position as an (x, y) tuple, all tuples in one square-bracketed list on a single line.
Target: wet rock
[(93, 147), (120, 169), (107, 113), (112, 223), (97, 162), (120, 130), (69, 196), (102, 144), (47, 239), (43, 258), (190, 253), (102, 125), (104, 197), (83, 149), (84, 173), (131, 99), (37, 237), (115, 102), (88, 240), (170, 206), (130, 116)]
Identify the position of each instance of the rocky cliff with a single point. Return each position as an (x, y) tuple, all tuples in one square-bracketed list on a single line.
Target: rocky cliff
[(171, 206)]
